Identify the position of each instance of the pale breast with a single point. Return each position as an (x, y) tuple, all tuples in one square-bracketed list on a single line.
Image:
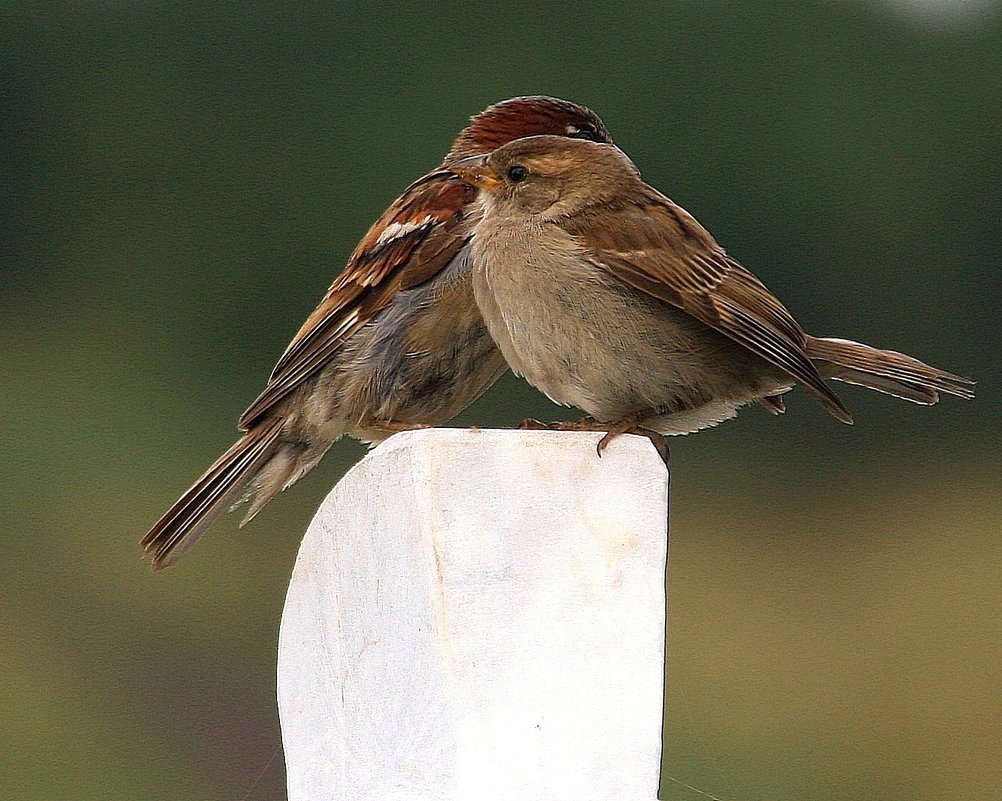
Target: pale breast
[(586, 339)]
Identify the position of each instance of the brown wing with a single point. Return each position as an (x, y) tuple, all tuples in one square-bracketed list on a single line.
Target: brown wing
[(659, 248), (415, 238)]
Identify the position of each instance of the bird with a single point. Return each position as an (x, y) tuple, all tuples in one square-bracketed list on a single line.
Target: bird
[(607, 296), (396, 343)]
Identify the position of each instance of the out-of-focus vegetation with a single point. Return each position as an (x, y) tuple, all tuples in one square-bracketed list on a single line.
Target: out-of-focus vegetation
[(182, 181)]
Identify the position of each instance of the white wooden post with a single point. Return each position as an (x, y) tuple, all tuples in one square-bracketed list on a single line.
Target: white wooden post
[(480, 615)]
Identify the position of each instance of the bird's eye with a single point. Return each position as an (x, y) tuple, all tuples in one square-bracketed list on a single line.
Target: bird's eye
[(584, 131), (517, 173)]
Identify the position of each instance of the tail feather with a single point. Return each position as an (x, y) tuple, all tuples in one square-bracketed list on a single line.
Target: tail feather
[(209, 497), (885, 371), (273, 477), (774, 404)]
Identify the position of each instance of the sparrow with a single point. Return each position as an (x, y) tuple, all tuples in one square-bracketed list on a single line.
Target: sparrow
[(607, 296), (396, 343)]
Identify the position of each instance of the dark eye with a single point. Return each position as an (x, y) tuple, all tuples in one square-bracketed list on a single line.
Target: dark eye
[(584, 131), (517, 173)]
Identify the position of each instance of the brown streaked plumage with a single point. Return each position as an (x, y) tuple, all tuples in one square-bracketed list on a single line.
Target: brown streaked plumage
[(608, 296), (396, 343)]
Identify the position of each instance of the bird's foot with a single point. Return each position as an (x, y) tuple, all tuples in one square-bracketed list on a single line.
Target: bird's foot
[(629, 426), (612, 430), (532, 424)]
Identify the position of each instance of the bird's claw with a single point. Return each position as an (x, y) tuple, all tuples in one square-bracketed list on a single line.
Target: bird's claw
[(657, 440)]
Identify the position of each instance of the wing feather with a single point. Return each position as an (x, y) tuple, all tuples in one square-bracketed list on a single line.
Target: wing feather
[(659, 248), (415, 238)]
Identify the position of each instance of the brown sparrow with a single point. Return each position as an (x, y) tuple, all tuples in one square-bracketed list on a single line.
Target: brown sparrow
[(606, 295), (396, 343)]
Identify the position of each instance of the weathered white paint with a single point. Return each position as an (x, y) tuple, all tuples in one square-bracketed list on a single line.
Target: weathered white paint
[(480, 615)]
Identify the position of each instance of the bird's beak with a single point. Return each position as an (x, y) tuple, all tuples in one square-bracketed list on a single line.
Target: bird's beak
[(474, 171)]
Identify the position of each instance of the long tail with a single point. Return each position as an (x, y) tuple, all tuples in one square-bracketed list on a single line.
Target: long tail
[(259, 454), (885, 371)]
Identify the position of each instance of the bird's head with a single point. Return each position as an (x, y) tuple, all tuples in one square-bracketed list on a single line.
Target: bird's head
[(519, 117), (551, 174)]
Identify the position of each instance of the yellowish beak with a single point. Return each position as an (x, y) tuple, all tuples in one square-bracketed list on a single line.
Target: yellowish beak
[(475, 172)]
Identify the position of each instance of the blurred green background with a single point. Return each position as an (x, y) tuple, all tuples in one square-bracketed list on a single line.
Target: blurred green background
[(182, 181)]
